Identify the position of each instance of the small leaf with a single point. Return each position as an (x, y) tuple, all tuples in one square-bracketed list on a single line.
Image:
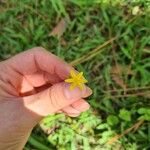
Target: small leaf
[(60, 28), (126, 52), (112, 120), (86, 145), (125, 115), (142, 110), (102, 126), (147, 117)]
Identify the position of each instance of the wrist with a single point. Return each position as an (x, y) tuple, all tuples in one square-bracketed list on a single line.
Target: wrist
[(15, 142)]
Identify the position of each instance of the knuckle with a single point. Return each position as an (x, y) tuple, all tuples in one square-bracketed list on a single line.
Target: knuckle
[(39, 49), (59, 99), (54, 100)]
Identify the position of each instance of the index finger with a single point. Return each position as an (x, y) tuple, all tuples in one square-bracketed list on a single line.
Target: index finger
[(37, 59)]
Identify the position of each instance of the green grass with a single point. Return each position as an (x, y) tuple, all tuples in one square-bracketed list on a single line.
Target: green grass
[(27, 23)]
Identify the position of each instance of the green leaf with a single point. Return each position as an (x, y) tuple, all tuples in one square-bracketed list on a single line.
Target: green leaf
[(86, 145), (126, 52), (125, 115), (142, 110), (37, 144), (102, 126), (112, 120)]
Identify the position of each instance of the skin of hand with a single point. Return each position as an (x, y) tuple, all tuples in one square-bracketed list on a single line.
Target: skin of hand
[(31, 87)]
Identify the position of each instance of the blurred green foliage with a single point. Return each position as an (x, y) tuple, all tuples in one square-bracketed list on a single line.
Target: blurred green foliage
[(27, 23)]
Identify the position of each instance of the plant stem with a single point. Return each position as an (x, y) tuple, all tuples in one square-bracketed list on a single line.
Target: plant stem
[(37, 144)]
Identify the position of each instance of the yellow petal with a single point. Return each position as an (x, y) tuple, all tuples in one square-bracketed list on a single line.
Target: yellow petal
[(76, 80), (84, 80), (80, 75), (81, 86), (72, 73), (72, 86), (70, 80)]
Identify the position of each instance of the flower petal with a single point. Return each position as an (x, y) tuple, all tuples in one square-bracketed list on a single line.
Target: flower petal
[(81, 86), (70, 80), (84, 80), (72, 86), (76, 80), (72, 73), (80, 75)]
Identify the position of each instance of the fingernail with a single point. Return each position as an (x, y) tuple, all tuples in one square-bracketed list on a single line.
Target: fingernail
[(88, 91), (84, 106), (73, 115)]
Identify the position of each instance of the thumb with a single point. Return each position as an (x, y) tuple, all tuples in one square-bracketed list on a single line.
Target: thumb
[(55, 98)]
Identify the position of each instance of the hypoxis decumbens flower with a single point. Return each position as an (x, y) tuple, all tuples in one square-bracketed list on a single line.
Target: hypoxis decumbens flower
[(76, 80)]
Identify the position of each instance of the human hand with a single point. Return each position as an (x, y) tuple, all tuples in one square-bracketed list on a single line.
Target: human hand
[(31, 87)]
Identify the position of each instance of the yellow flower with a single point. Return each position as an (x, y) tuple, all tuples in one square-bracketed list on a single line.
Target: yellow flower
[(76, 80)]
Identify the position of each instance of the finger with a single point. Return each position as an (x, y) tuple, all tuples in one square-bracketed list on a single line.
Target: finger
[(70, 111), (25, 86), (81, 105), (41, 78), (55, 98), (36, 59), (52, 79), (73, 115), (77, 107), (35, 79), (59, 111)]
